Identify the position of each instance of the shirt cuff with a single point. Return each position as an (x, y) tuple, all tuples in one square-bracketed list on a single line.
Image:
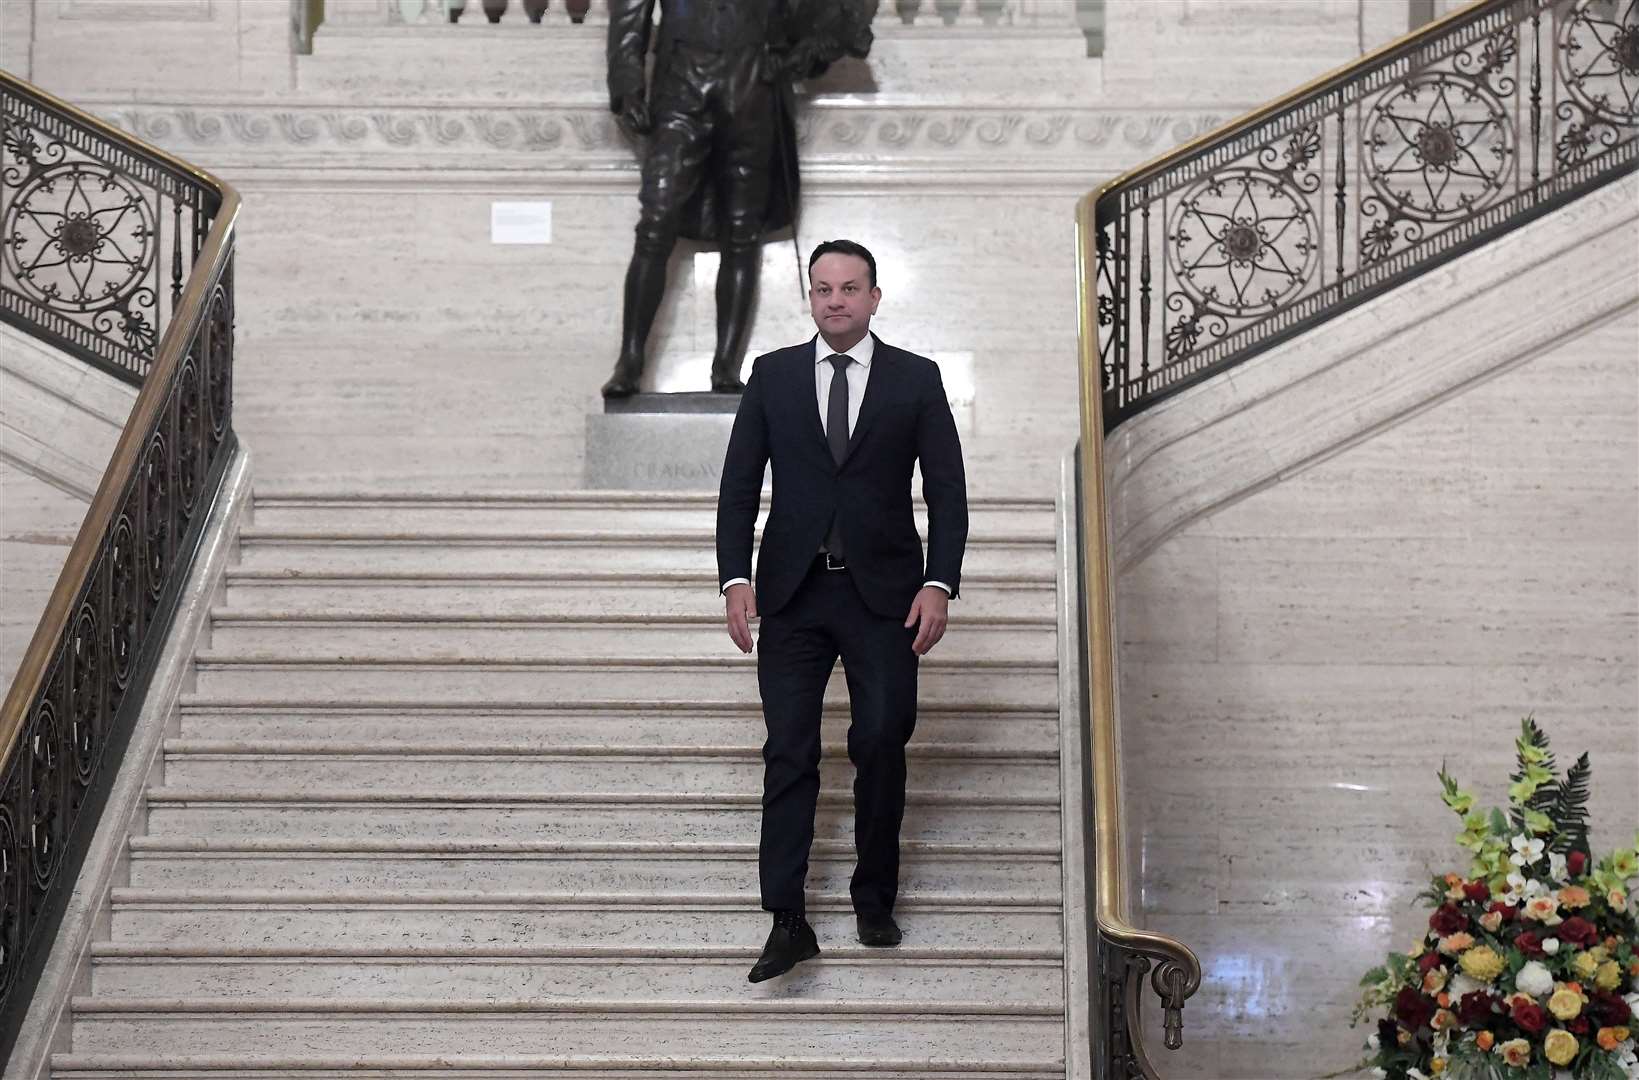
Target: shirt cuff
[(733, 581), (940, 585)]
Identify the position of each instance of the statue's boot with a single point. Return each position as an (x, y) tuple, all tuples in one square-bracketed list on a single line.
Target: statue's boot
[(736, 296), (645, 284)]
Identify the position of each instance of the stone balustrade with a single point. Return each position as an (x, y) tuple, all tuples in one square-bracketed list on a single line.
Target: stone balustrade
[(892, 15)]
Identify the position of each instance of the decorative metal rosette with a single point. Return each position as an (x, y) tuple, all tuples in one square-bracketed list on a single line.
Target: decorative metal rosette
[(1599, 58), (1438, 146), (1242, 242), (42, 750), (79, 238)]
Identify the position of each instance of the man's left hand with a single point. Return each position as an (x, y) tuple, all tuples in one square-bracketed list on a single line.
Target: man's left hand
[(930, 611)]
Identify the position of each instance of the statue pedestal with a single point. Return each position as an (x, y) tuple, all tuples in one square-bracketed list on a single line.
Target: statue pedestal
[(659, 442)]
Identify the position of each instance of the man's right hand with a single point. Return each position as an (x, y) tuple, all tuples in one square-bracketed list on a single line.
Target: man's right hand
[(741, 602)]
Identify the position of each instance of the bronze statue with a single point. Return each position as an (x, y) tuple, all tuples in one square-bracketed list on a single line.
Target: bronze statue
[(721, 162)]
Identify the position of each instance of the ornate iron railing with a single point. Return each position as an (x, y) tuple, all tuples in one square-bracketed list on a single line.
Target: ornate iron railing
[(87, 187), (1357, 183), (1350, 186), (100, 236)]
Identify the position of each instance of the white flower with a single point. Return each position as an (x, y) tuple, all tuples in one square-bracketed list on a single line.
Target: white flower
[(1373, 1042), (1534, 979), (1556, 866), (1527, 849), (1461, 984), (1550, 945), (1535, 888), (1633, 1004), (1378, 1074)]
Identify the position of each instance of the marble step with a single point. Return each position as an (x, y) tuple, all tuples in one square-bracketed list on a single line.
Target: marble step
[(702, 724), (930, 818), (318, 551), (754, 1037), (280, 769), (552, 594), (571, 510), (634, 680), (331, 632), (301, 971), (990, 873), (126, 1066), (387, 926)]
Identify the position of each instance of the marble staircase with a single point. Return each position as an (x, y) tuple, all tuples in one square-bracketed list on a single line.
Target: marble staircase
[(470, 786)]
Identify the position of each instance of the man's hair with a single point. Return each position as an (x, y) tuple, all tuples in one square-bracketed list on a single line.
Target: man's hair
[(842, 247)]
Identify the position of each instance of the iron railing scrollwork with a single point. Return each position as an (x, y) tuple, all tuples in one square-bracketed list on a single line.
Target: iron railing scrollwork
[(1355, 184), (1429, 147), (84, 210), (98, 236)]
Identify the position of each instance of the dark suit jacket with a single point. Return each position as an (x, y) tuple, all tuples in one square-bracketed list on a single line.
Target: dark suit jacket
[(904, 418)]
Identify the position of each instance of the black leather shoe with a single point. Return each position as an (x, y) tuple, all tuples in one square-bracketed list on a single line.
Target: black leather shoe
[(790, 943), (878, 931)]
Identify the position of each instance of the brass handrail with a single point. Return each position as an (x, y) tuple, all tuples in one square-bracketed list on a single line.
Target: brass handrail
[(190, 310)]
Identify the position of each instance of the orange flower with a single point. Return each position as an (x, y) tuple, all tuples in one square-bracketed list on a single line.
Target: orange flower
[(1444, 1020), (1608, 1038), (1484, 1040), (1574, 896), (1444, 999)]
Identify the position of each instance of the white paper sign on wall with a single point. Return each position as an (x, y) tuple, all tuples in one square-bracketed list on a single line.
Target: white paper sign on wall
[(520, 222)]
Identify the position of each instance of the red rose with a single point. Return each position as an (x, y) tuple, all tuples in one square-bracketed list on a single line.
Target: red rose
[(1427, 962), (1608, 1008), (1576, 862), (1477, 891), (1530, 944), (1447, 920), (1530, 1016), (1475, 1008), (1578, 931), (1507, 911), (1414, 1010)]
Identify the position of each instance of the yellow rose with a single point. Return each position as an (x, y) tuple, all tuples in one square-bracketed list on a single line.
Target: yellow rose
[(1566, 1001), (1437, 1066), (1492, 921), (1608, 976), (1560, 1046), (1481, 963), (1516, 1052), (1574, 896), (1585, 964)]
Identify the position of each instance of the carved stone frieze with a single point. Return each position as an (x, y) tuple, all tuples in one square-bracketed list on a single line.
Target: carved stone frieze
[(585, 134)]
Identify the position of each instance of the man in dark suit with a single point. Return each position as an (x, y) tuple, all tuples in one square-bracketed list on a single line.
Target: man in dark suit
[(843, 418)]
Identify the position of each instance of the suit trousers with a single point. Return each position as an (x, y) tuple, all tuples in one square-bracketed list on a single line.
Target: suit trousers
[(797, 647)]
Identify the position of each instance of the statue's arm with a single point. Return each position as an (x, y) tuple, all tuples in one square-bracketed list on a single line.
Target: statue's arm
[(630, 22), (629, 25)]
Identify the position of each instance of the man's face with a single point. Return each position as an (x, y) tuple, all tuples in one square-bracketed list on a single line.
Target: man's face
[(841, 296)]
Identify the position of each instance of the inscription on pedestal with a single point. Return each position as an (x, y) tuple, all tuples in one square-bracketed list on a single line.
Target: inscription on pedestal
[(656, 451)]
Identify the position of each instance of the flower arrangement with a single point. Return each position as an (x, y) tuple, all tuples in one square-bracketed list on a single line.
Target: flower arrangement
[(1529, 970)]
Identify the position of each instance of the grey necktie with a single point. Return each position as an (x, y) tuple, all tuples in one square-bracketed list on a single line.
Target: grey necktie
[(836, 434)]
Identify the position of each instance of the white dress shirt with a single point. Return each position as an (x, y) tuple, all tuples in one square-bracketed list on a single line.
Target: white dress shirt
[(858, 374)]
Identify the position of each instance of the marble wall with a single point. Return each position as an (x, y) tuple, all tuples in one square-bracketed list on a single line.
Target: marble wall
[(1297, 665), (386, 342)]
